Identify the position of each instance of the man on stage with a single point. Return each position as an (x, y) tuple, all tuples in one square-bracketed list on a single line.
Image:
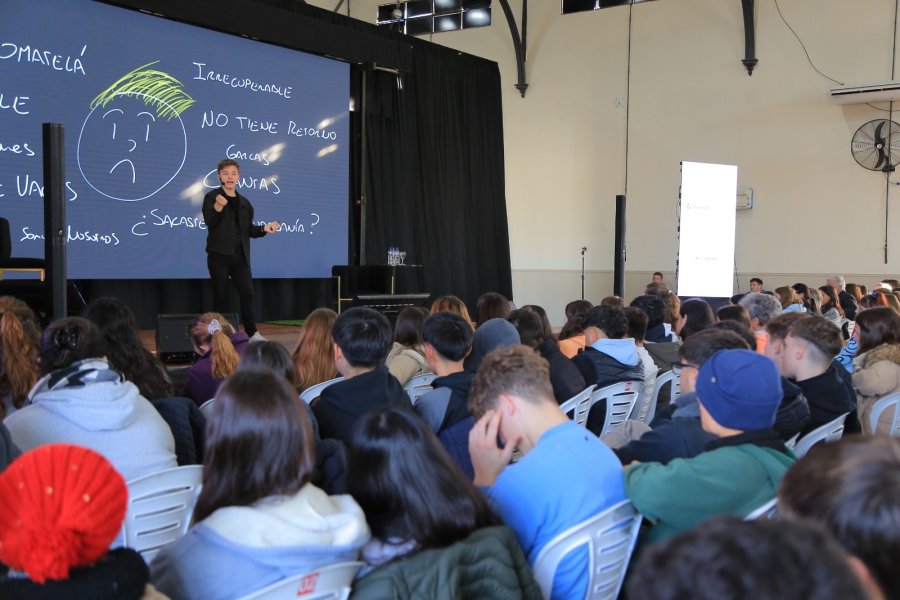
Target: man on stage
[(229, 220)]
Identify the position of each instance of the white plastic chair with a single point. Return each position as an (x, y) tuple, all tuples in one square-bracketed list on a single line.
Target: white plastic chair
[(886, 403), (418, 386), (206, 407), (610, 537), (314, 391), (792, 442), (829, 432), (670, 378), (620, 400), (328, 583), (769, 510), (579, 405), (160, 507)]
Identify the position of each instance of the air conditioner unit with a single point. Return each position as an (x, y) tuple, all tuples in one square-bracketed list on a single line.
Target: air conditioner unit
[(887, 91)]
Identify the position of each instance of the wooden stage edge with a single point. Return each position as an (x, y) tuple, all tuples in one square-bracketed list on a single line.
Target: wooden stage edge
[(286, 335)]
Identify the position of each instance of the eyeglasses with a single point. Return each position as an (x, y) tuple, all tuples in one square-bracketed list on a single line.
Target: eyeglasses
[(678, 366)]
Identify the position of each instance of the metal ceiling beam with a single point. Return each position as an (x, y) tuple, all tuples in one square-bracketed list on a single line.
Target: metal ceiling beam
[(749, 59), (518, 41)]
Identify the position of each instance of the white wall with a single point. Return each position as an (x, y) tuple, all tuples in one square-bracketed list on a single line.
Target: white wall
[(816, 211)]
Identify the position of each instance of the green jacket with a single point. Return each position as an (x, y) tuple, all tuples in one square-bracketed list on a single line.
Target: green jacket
[(487, 564), (730, 480)]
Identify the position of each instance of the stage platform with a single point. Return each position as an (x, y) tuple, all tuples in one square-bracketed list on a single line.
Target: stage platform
[(285, 335)]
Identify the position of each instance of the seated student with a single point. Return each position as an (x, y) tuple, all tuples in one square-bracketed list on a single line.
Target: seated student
[(454, 305), (314, 355), (491, 306), (731, 312), (793, 414), (809, 350), (609, 357), (219, 347), (447, 341), (637, 328), (492, 334), (655, 309), (571, 336), (677, 433), (81, 400), (746, 560), (738, 393), (761, 308), (362, 340), (877, 372), (565, 377), (20, 340), (852, 488), (258, 518), (427, 519), (407, 358), (566, 475), (124, 350), (56, 528)]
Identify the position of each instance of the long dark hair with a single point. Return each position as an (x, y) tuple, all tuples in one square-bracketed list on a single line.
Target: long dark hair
[(491, 305), (833, 302), (877, 325), (124, 350), (408, 328), (407, 484), (576, 310), (269, 355), (699, 316), (259, 443)]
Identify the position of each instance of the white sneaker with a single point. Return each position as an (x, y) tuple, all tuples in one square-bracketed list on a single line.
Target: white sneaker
[(258, 337)]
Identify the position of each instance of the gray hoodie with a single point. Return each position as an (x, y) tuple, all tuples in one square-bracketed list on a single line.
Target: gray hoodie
[(90, 405)]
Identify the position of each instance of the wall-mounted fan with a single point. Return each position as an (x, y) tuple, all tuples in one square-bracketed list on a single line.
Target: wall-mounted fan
[(876, 145)]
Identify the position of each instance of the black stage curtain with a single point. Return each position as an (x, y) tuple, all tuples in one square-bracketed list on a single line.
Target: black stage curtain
[(435, 183)]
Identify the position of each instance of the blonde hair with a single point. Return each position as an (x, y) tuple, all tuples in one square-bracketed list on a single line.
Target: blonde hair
[(20, 340), (454, 305), (314, 356), (223, 356)]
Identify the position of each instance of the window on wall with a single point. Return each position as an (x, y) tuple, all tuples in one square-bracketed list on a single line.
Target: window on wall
[(419, 17), (574, 6)]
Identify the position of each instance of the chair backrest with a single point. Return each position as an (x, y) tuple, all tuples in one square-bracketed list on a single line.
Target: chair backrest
[(829, 432), (791, 443), (886, 403), (769, 510), (579, 405), (610, 537), (327, 583), (419, 385), (160, 507), (314, 391), (670, 378), (620, 400), (206, 407)]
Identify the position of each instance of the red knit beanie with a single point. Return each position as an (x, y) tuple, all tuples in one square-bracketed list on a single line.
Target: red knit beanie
[(60, 507)]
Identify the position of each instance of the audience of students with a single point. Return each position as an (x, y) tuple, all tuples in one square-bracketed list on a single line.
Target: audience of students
[(852, 488), (219, 347), (789, 300), (407, 358), (547, 491), (314, 355), (81, 400), (20, 339), (738, 392), (362, 340), (846, 301), (258, 518), (269, 506), (830, 308)]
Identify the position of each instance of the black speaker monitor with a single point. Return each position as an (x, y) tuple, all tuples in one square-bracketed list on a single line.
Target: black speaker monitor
[(173, 337)]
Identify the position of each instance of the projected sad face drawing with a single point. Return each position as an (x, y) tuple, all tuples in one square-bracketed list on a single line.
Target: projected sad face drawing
[(133, 142)]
